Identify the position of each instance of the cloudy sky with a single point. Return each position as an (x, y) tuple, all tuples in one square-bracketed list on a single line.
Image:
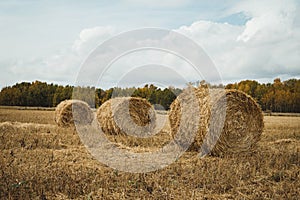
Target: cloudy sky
[(49, 40)]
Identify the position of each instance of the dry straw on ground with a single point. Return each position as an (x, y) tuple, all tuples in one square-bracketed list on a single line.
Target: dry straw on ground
[(49, 162), (69, 112), (231, 121), (127, 115)]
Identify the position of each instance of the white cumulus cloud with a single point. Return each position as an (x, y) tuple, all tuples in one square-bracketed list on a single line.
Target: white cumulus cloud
[(91, 37), (265, 47)]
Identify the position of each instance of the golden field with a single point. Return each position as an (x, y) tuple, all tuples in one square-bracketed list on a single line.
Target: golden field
[(39, 160)]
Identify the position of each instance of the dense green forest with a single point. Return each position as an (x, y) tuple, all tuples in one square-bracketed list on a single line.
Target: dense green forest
[(277, 96), (41, 94)]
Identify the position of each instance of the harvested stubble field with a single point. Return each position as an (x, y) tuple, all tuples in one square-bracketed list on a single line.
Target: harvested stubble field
[(39, 160)]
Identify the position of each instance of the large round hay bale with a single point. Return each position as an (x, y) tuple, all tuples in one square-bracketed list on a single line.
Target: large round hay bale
[(176, 114), (230, 121), (127, 116), (69, 112)]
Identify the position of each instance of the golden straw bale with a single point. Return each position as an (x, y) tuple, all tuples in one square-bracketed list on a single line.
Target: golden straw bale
[(230, 121), (69, 112), (127, 115)]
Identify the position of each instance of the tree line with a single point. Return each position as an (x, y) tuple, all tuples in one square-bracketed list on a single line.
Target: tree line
[(276, 97), (42, 94)]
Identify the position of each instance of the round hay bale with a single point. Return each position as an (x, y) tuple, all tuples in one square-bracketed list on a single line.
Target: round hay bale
[(127, 116), (69, 112), (231, 121), (175, 114)]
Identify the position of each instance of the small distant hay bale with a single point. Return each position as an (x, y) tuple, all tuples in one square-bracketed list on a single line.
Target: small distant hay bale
[(69, 112), (127, 115), (230, 122)]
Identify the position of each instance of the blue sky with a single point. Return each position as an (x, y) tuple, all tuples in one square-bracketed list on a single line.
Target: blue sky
[(46, 26), (48, 40)]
